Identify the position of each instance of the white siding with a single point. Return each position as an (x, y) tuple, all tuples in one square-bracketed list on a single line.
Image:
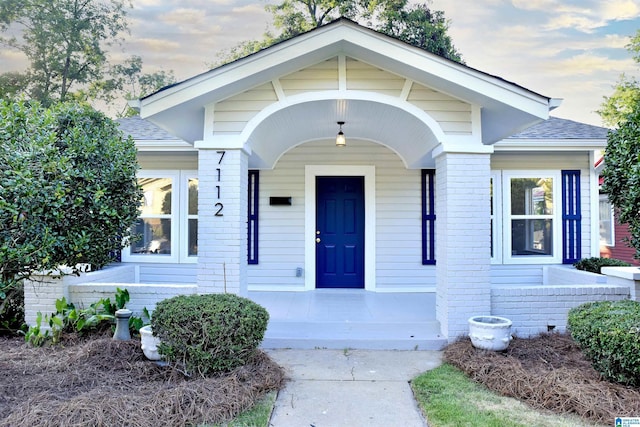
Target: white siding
[(365, 77), (168, 160), (319, 77), (232, 114), (167, 273), (398, 212), (557, 161), (516, 275), (453, 115)]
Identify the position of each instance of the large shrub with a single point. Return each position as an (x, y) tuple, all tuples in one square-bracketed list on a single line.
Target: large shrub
[(595, 264), (12, 311), (621, 174), (208, 334), (68, 189), (608, 333)]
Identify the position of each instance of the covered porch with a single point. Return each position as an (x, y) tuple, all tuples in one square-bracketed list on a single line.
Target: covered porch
[(343, 318), (264, 129)]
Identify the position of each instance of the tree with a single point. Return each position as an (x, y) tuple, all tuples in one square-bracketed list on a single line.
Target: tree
[(415, 24), (422, 27), (68, 189), (64, 41), (626, 95), (622, 173), (125, 82)]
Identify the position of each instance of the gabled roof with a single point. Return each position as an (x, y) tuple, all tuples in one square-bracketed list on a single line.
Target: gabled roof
[(556, 134), (504, 107)]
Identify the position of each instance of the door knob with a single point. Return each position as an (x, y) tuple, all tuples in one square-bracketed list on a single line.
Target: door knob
[(317, 240)]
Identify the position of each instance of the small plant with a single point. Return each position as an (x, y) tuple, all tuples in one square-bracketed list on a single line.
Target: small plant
[(208, 334), (595, 264), (35, 335), (68, 318), (608, 333)]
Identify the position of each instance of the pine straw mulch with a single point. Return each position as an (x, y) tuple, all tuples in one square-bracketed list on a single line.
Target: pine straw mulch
[(102, 382), (547, 372)]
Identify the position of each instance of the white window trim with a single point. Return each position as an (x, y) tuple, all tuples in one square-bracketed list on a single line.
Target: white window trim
[(179, 219), (556, 217)]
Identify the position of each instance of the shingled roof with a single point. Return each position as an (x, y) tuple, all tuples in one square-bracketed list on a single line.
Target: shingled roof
[(557, 128), (143, 130)]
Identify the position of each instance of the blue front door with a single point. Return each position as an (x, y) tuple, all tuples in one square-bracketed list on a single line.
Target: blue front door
[(340, 232)]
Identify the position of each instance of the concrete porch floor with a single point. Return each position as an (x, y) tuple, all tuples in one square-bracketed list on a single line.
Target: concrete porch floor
[(356, 319)]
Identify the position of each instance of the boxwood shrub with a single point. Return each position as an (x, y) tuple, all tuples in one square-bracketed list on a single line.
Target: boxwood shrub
[(208, 334), (608, 333), (595, 264)]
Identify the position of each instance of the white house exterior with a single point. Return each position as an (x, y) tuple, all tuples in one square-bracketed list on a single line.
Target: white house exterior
[(452, 182), (445, 201)]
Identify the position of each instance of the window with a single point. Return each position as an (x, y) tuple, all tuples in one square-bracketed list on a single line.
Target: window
[(530, 229), (536, 215), (192, 216), (168, 223), (606, 221)]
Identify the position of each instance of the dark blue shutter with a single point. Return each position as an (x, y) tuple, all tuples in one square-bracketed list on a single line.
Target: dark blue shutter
[(571, 217), (428, 217), (252, 217)]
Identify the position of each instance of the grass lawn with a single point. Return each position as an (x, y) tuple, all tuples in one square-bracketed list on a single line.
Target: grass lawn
[(449, 398), (257, 416)]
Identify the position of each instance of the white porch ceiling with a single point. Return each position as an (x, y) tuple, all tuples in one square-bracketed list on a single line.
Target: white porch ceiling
[(410, 138)]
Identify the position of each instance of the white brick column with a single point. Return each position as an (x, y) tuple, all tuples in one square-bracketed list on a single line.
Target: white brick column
[(222, 221), (463, 245)]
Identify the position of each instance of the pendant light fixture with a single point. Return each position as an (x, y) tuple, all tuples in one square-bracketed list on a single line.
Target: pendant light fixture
[(341, 141)]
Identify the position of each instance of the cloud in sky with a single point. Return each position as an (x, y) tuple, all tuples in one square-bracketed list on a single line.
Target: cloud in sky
[(571, 49)]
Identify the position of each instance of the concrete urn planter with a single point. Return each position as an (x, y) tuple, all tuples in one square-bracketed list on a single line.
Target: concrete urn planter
[(490, 332), (149, 343)]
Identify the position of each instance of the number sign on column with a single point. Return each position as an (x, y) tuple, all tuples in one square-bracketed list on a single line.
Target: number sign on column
[(219, 205)]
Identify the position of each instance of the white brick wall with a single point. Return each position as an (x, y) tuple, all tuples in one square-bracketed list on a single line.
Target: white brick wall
[(535, 309), (463, 257), (141, 295), (222, 240), (41, 292), (568, 275)]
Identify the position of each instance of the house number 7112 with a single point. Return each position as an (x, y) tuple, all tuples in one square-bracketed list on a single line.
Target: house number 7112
[(219, 205)]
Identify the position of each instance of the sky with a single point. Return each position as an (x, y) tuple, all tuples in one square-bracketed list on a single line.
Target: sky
[(569, 49)]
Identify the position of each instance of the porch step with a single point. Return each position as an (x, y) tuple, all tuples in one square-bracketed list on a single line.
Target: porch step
[(423, 335)]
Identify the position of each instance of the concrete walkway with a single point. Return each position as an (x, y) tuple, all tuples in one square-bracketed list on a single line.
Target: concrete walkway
[(335, 388)]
